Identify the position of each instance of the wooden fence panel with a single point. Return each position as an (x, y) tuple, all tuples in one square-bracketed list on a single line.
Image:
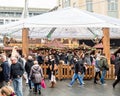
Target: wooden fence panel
[(111, 73), (44, 67), (65, 72), (89, 72)]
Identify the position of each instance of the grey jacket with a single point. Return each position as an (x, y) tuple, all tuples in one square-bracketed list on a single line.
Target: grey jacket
[(36, 74)]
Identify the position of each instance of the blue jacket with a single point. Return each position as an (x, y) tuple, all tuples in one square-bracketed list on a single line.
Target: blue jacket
[(5, 74)]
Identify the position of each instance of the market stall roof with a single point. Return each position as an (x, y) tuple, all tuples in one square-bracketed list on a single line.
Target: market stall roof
[(98, 46), (55, 44), (84, 46), (10, 48)]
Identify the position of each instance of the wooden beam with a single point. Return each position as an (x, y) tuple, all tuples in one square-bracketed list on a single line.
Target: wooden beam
[(25, 43), (106, 43)]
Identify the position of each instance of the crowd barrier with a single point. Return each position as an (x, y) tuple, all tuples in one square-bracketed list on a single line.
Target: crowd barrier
[(66, 72)]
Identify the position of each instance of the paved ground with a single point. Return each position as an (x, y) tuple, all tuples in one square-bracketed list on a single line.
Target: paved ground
[(89, 89)]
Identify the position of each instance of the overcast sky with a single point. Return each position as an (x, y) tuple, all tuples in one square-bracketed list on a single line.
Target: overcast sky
[(31, 3)]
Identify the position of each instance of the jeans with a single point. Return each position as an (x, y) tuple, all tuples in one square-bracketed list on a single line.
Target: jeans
[(96, 75), (17, 84), (31, 85), (82, 77), (74, 78), (37, 87), (103, 76), (30, 82)]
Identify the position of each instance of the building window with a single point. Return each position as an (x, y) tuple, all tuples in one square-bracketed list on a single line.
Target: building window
[(112, 5), (89, 5), (7, 21), (30, 14), (12, 20), (66, 3), (113, 8), (18, 14), (36, 14), (1, 21)]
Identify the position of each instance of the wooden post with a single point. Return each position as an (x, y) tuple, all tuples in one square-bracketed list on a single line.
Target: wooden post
[(106, 43), (25, 43)]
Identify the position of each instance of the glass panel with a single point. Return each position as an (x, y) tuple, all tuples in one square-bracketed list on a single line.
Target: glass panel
[(112, 5), (66, 3), (89, 5)]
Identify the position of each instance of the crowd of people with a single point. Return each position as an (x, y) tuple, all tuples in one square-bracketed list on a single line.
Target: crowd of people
[(15, 67)]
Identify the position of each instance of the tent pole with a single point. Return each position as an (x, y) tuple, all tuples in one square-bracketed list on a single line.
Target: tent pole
[(25, 43), (106, 43)]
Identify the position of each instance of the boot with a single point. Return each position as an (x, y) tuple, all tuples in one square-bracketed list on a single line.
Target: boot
[(39, 91), (52, 85)]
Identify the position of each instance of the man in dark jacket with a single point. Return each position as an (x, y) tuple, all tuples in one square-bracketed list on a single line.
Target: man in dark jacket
[(16, 74), (40, 59), (28, 66), (77, 73), (5, 72), (117, 73)]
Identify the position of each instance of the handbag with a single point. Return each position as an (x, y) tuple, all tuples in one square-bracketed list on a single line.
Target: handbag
[(53, 79), (43, 85)]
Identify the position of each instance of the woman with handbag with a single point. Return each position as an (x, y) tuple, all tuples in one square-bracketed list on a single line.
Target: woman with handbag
[(36, 75)]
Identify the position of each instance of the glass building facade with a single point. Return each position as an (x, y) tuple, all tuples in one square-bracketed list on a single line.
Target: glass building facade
[(11, 14)]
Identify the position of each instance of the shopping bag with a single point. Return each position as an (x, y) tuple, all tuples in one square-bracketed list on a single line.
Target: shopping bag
[(53, 79), (43, 85)]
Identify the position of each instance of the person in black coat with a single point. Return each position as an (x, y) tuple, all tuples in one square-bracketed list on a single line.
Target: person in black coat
[(77, 73), (29, 63), (16, 74), (40, 59), (117, 60), (5, 72), (118, 74)]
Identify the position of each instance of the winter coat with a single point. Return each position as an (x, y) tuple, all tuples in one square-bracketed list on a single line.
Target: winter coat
[(17, 70), (78, 67), (36, 74), (118, 74), (117, 65), (5, 72), (103, 64), (28, 66)]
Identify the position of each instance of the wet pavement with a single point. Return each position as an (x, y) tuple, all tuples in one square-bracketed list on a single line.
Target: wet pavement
[(89, 89)]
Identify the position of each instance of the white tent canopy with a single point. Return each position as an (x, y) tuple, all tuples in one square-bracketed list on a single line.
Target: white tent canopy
[(70, 22), (72, 17), (80, 33)]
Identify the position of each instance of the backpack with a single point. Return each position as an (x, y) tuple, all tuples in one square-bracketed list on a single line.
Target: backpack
[(36, 76), (102, 64)]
